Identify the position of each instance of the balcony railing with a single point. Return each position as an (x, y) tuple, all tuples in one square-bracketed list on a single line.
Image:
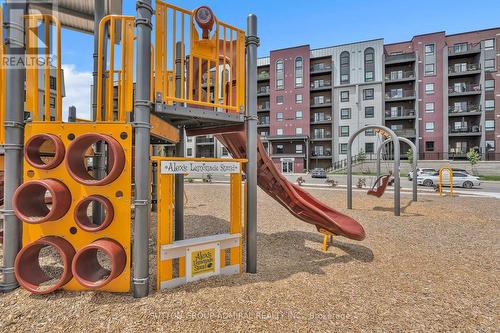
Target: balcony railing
[(320, 67), (400, 113), (263, 76), (395, 94), (400, 58), (465, 129), (263, 90), (264, 106), (317, 103), (263, 122), (319, 84), (406, 132), (464, 48), (395, 76), (323, 154), (463, 68), (319, 119), (464, 88), (467, 108), (326, 135), (204, 140)]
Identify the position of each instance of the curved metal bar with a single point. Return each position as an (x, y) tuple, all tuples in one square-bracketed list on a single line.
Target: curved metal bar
[(397, 198), (414, 162)]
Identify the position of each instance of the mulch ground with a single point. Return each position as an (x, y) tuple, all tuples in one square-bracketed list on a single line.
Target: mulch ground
[(435, 268)]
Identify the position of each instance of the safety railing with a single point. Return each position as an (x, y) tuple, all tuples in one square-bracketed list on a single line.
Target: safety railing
[(209, 70), (33, 49), (124, 76)]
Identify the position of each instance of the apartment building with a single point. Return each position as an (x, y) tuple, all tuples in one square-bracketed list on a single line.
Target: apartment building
[(440, 91)]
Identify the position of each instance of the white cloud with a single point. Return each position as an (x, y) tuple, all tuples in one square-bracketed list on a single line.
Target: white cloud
[(78, 85)]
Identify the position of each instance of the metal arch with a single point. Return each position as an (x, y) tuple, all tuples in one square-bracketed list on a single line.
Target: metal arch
[(397, 196), (414, 162)]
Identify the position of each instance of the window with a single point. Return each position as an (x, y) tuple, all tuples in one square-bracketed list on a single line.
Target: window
[(53, 83), (279, 116), (429, 69), (460, 47), (318, 100), (280, 74), (299, 72), (489, 125), (396, 127), (298, 98), (344, 96), (369, 112), (367, 94), (429, 88), (279, 131), (429, 49), (189, 152), (279, 100), (369, 147), (319, 116), (489, 85), (489, 64), (318, 150), (298, 130), (345, 113), (280, 149), (52, 102), (490, 145), (343, 148), (489, 105), (370, 132), (299, 149), (189, 139), (429, 146), (224, 151), (319, 133), (298, 115), (344, 131), (429, 127), (429, 107), (369, 64), (345, 67), (489, 44)]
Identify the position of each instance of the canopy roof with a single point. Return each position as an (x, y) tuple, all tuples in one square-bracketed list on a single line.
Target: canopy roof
[(76, 14)]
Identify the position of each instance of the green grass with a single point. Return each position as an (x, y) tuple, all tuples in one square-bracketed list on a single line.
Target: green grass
[(494, 178)]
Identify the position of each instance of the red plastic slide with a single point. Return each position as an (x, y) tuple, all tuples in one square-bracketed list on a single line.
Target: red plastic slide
[(291, 196)]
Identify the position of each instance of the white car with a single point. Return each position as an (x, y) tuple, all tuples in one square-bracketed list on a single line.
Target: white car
[(421, 171), (460, 179)]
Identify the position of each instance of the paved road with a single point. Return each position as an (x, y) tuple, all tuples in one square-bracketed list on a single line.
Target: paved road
[(487, 186)]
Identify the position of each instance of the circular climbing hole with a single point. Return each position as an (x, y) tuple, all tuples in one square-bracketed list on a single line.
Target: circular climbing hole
[(44, 151), (94, 213), (44, 266), (99, 263), (95, 159), (40, 201)]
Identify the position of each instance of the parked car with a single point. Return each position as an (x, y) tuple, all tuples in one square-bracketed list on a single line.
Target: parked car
[(421, 171), (460, 179), (318, 173)]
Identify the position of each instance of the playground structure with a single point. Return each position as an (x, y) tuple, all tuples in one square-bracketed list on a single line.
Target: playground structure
[(198, 78), (382, 180), (414, 162), (450, 175)]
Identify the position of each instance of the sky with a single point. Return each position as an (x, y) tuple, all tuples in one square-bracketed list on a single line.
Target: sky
[(319, 23)]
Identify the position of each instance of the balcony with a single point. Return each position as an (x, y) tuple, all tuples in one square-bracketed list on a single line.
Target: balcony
[(327, 136), (321, 85), (468, 110), (263, 107), (321, 68), (406, 132), (464, 49), (204, 141), (400, 58), (400, 114), (323, 155), (400, 95), (321, 120), (473, 130), (318, 103), (399, 76), (464, 69), (263, 76), (464, 89), (263, 122), (263, 91)]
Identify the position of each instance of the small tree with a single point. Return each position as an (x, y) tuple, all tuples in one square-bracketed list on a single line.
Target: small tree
[(361, 158), (409, 154), (474, 158)]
